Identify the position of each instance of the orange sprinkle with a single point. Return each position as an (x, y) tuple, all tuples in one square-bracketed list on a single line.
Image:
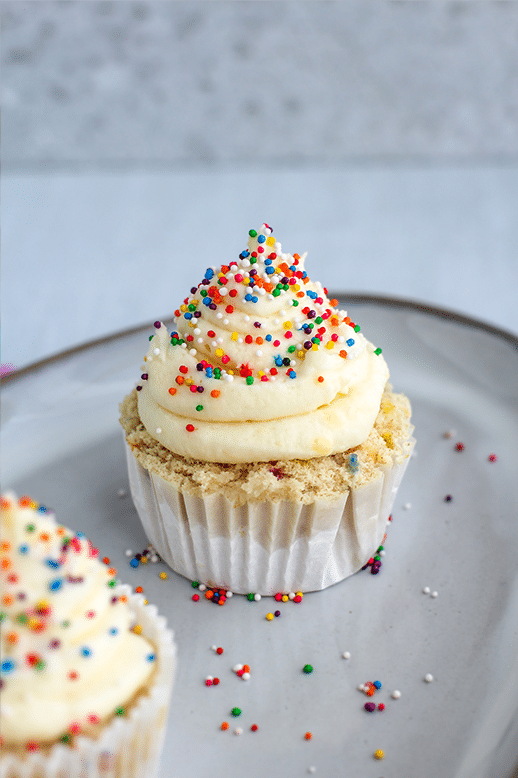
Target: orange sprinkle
[(5, 545), (343, 354), (301, 294), (320, 378), (179, 380), (12, 637), (106, 560), (308, 736), (347, 320), (24, 502), (60, 531), (172, 390), (268, 286), (333, 302), (123, 598), (139, 589), (45, 536), (215, 393), (246, 668), (334, 321), (6, 563), (112, 571), (4, 503), (209, 594), (7, 600), (225, 725), (259, 341)]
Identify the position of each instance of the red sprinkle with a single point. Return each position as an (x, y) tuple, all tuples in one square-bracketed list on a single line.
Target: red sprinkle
[(492, 457), (254, 727), (196, 597), (219, 650), (190, 428), (459, 447)]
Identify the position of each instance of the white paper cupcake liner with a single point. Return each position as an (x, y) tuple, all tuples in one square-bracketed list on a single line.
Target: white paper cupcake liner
[(265, 547), (129, 746)]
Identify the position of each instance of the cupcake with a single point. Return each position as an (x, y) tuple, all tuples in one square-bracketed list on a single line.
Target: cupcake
[(264, 443), (87, 667)]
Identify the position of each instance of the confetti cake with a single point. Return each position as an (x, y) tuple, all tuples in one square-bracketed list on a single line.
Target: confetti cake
[(265, 444)]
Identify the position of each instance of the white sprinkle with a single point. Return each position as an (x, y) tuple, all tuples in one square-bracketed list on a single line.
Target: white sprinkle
[(276, 321), (213, 648), (434, 594), (202, 587), (245, 676), (156, 351), (223, 291), (293, 363), (200, 340), (209, 678), (258, 353), (192, 352), (219, 315), (128, 552), (282, 312), (271, 297), (428, 678), (291, 595), (229, 593), (257, 597), (407, 506), (382, 552), (238, 731), (312, 769), (237, 668), (183, 345), (122, 493), (340, 339), (426, 590), (239, 340), (154, 558), (361, 687), (197, 331), (449, 434), (246, 318), (261, 291), (396, 694), (346, 655), (214, 344), (158, 430), (219, 340)]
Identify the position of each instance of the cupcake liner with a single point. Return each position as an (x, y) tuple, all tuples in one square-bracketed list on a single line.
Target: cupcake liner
[(129, 746), (266, 547)]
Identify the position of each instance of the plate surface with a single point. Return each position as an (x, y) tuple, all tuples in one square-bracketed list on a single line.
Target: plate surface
[(61, 444)]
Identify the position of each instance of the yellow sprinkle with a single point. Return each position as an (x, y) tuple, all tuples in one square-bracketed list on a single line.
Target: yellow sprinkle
[(285, 598), (270, 241), (269, 616), (33, 623), (299, 594), (387, 437), (145, 602), (300, 354), (379, 754), (314, 346), (260, 373), (143, 560), (246, 281), (387, 406), (234, 336), (195, 302), (230, 372), (163, 576), (296, 287), (183, 308), (219, 352), (330, 344), (192, 324), (137, 629), (287, 325)]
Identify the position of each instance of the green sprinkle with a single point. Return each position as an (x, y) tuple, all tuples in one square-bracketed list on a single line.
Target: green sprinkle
[(285, 287), (195, 584), (191, 307), (252, 233), (3, 616), (22, 618), (253, 260), (249, 380), (151, 337), (65, 624), (66, 738), (294, 303), (250, 597), (204, 293), (377, 351), (113, 582), (319, 320), (30, 528), (199, 407), (276, 292), (174, 341), (217, 372), (307, 669), (291, 349), (236, 711), (40, 665), (120, 711), (357, 328)]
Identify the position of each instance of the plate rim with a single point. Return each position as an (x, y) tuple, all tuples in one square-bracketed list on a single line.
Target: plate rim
[(359, 298)]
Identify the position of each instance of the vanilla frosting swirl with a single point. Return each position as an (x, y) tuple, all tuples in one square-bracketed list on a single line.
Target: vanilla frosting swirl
[(70, 659), (260, 366)]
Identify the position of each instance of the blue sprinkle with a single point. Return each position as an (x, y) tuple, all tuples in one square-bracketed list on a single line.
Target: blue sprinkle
[(42, 509), (52, 563), (86, 651), (255, 299), (114, 631), (293, 267), (134, 562), (268, 261), (278, 361), (377, 684), (24, 549), (8, 666), (245, 253), (350, 342), (268, 338), (80, 534), (187, 315), (207, 301), (248, 297), (209, 273), (151, 657), (353, 463), (270, 270), (292, 374), (56, 584), (261, 238)]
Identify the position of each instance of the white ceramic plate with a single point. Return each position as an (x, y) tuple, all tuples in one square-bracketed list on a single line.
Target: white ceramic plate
[(61, 443)]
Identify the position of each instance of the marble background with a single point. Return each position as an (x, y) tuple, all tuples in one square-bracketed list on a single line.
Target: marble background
[(142, 139), (177, 83)]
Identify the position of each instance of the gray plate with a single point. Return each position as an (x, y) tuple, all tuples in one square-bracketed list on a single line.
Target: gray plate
[(61, 444)]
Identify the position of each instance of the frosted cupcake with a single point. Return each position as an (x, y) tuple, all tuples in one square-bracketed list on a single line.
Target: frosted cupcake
[(265, 446), (87, 668)]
